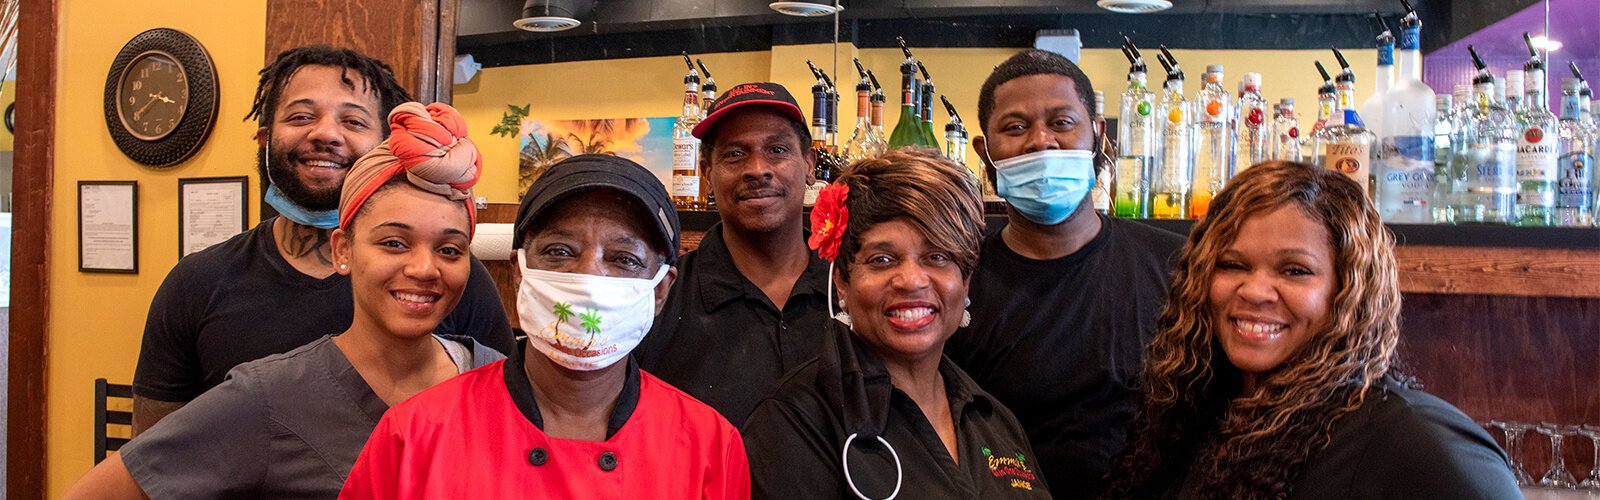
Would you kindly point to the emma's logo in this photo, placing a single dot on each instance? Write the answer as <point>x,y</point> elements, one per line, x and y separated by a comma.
<point>1013,468</point>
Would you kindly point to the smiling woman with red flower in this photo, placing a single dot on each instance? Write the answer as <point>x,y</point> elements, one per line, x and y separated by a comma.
<point>881,412</point>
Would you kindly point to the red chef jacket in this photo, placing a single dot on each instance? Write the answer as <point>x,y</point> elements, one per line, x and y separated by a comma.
<point>479,436</point>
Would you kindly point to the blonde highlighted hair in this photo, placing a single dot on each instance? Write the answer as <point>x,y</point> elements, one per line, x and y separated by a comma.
<point>1195,415</point>
<point>920,186</point>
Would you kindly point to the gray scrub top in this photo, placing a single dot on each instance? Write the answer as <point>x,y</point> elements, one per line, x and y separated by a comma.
<point>287,425</point>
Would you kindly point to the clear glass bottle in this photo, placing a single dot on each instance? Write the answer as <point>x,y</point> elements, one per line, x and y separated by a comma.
<point>1443,152</point>
<point>860,146</point>
<point>1326,102</point>
<point>686,190</point>
<point>1212,139</point>
<point>1100,195</point>
<point>1486,156</point>
<point>1344,144</point>
<point>1170,186</point>
<point>1286,130</point>
<point>1372,109</point>
<point>1254,141</point>
<point>1575,189</point>
<point>1136,140</point>
<point>1405,166</point>
<point>1537,171</point>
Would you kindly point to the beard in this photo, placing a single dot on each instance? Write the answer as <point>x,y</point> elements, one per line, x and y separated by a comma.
<point>280,162</point>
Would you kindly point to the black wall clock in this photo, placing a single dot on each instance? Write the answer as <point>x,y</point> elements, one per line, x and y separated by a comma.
<point>161,97</point>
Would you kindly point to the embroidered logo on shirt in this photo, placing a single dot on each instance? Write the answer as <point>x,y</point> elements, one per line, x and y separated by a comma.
<point>1012,468</point>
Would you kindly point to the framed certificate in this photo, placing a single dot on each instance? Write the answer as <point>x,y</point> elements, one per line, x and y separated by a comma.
<point>108,226</point>
<point>211,210</point>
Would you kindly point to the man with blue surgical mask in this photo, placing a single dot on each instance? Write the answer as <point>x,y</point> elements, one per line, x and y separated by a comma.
<point>1064,299</point>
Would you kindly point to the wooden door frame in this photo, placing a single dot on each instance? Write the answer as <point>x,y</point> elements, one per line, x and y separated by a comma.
<point>33,172</point>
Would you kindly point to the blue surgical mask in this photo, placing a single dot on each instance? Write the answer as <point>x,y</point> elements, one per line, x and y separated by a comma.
<point>325,219</point>
<point>1046,186</point>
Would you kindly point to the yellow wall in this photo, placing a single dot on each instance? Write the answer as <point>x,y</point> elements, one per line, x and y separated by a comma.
<point>8,95</point>
<point>650,87</point>
<point>96,320</point>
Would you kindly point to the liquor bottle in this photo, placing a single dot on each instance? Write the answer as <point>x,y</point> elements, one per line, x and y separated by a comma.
<point>1444,128</point>
<point>1254,142</point>
<point>1171,183</point>
<point>708,92</point>
<point>686,190</point>
<point>1537,172</point>
<point>1406,133</point>
<point>879,139</point>
<point>927,107</point>
<point>1286,130</point>
<point>908,131</point>
<point>1485,182</point>
<point>819,136</point>
<point>955,135</point>
<point>1344,144</point>
<point>1212,137</point>
<point>1326,97</point>
<point>1511,91</point>
<point>1136,136</point>
<point>860,146</point>
<point>1372,108</point>
<point>1575,190</point>
<point>1100,195</point>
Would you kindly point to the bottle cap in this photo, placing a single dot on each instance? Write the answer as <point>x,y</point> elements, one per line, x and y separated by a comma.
<point>1569,85</point>
<point>1252,79</point>
<point>1514,78</point>
<point>1443,100</point>
<point>1214,68</point>
<point>1287,101</point>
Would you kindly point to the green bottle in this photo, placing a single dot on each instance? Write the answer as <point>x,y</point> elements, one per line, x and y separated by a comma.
<point>908,131</point>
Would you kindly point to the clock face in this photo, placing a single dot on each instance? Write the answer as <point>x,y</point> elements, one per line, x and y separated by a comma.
<point>152,95</point>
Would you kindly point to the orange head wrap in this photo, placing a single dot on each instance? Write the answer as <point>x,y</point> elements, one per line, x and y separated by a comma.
<point>430,146</point>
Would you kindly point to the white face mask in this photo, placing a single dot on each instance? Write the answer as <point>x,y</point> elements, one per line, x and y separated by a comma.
<point>582,321</point>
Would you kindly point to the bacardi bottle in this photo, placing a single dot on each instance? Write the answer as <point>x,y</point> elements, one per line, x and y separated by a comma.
<point>1406,136</point>
<point>1575,190</point>
<point>1136,140</point>
<point>1254,143</point>
<point>1537,172</point>
<point>1171,184</point>
<point>686,191</point>
<point>1212,140</point>
<point>1486,156</point>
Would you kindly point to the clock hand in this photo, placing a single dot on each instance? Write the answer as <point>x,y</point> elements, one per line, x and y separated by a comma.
<point>162,97</point>
<point>142,109</point>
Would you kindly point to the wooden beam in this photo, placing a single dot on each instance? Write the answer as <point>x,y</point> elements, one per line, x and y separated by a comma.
<point>1526,272</point>
<point>30,248</point>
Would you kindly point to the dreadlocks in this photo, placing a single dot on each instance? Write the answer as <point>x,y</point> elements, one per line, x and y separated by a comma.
<point>376,77</point>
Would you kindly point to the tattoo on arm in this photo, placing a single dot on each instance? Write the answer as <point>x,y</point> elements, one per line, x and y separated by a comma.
<point>299,241</point>
<point>146,412</point>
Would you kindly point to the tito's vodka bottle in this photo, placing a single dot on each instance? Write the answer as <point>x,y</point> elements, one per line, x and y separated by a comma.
<point>1344,144</point>
<point>1212,140</point>
<point>1170,186</point>
<point>686,148</point>
<point>1536,148</point>
<point>1136,136</point>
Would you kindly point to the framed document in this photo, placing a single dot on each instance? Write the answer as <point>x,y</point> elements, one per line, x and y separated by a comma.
<point>108,226</point>
<point>211,210</point>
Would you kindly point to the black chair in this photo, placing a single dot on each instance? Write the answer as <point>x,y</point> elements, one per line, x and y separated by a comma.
<point>104,417</point>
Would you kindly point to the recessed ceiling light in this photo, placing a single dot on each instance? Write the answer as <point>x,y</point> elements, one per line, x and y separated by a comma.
<point>805,9</point>
<point>1134,6</point>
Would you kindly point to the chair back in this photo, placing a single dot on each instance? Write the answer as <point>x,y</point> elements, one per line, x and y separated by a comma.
<point>105,418</point>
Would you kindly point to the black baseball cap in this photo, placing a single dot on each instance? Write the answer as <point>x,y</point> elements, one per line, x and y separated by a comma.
<point>589,172</point>
<point>765,94</point>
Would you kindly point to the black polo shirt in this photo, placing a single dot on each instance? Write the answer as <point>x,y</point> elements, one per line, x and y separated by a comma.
<point>721,340</point>
<point>1061,342</point>
<point>795,438</point>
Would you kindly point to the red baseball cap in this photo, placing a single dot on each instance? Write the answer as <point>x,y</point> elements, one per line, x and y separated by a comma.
<point>765,94</point>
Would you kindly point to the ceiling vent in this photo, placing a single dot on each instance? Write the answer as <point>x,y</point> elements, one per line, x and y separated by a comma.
<point>1134,6</point>
<point>806,9</point>
<point>547,16</point>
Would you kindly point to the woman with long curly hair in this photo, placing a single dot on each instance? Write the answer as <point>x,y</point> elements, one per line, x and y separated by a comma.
<point>1273,371</point>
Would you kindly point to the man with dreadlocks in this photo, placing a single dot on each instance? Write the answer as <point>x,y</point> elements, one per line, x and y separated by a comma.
<point>273,288</point>
<point>1064,299</point>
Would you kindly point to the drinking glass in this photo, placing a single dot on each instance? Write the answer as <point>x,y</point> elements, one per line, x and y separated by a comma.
<point>1593,433</point>
<point>1557,476</point>
<point>1514,432</point>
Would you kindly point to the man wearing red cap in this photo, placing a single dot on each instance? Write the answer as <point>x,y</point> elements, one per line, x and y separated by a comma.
<point>750,300</point>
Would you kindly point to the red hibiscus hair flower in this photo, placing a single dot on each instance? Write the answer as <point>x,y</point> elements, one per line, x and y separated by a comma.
<point>829,218</point>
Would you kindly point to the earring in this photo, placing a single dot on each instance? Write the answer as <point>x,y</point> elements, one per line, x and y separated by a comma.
<point>344,266</point>
<point>966,314</point>
<point>842,316</point>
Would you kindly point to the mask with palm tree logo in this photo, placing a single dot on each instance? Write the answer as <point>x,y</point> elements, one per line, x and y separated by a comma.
<point>582,321</point>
